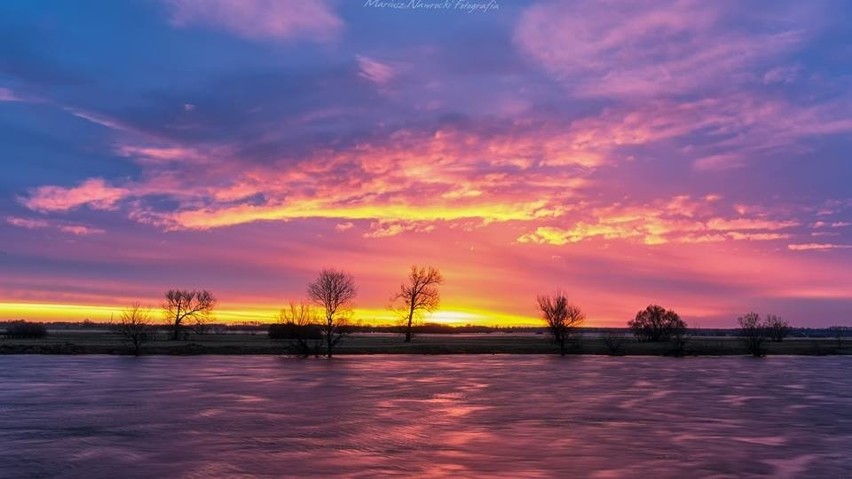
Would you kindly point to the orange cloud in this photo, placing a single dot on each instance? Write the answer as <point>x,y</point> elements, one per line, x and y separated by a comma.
<point>678,220</point>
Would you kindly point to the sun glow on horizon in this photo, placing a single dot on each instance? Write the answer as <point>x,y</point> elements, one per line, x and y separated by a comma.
<point>57,312</point>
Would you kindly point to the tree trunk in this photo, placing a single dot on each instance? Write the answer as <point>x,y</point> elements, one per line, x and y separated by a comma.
<point>408,330</point>
<point>329,337</point>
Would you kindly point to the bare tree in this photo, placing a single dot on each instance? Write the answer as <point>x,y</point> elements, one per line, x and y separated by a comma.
<point>754,333</point>
<point>182,305</point>
<point>777,329</point>
<point>333,291</point>
<point>134,326</point>
<point>417,295</point>
<point>298,324</point>
<point>656,324</point>
<point>562,317</point>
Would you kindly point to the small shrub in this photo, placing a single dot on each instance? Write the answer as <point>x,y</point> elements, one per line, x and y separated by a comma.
<point>614,342</point>
<point>294,331</point>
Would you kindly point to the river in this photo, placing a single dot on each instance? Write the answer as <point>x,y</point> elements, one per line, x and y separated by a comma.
<point>424,416</point>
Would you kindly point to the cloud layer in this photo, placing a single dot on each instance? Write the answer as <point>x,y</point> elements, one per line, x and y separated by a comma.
<point>682,152</point>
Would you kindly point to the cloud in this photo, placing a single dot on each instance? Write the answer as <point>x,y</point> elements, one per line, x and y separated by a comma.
<point>8,95</point>
<point>678,220</point>
<point>260,19</point>
<point>98,119</point>
<point>449,174</point>
<point>817,246</point>
<point>782,74</point>
<point>385,229</point>
<point>93,192</point>
<point>375,71</point>
<point>28,223</point>
<point>37,223</point>
<point>642,49</point>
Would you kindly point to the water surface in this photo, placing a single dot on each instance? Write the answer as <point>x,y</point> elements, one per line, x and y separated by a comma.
<point>424,416</point>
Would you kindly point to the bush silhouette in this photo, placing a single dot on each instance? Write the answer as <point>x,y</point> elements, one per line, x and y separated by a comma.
<point>24,329</point>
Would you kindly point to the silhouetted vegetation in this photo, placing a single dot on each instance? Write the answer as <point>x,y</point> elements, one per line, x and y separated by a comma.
<point>776,328</point>
<point>183,305</point>
<point>614,342</point>
<point>134,326</point>
<point>657,324</point>
<point>754,332</point>
<point>840,332</point>
<point>562,318</point>
<point>417,295</point>
<point>25,330</point>
<point>297,324</point>
<point>678,340</point>
<point>333,291</point>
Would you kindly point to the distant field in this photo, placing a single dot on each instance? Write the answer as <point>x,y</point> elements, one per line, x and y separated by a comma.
<point>105,342</point>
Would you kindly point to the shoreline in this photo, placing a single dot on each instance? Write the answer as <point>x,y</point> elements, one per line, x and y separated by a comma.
<point>75,343</point>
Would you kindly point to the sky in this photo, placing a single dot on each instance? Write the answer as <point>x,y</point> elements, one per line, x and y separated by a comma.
<point>686,153</point>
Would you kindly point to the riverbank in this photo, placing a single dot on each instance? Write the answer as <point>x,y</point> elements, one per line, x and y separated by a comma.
<point>104,342</point>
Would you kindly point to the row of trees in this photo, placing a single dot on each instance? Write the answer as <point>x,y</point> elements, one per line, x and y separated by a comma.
<point>654,324</point>
<point>756,330</point>
<point>325,315</point>
<point>317,324</point>
<point>314,326</point>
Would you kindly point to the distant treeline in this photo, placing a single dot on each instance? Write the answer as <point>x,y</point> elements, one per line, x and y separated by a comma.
<point>21,328</point>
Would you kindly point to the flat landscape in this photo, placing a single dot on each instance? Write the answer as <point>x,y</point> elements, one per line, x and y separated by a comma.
<point>107,342</point>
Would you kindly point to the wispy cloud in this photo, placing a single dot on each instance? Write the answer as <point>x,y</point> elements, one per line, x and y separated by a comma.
<point>64,227</point>
<point>260,19</point>
<point>375,71</point>
<point>817,246</point>
<point>647,49</point>
<point>8,95</point>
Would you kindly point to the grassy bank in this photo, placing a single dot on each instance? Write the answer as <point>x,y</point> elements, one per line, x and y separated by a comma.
<point>104,342</point>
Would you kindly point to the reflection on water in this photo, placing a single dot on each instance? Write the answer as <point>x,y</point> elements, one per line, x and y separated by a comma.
<point>424,416</point>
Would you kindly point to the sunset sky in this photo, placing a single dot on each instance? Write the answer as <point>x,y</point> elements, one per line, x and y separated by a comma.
<point>694,154</point>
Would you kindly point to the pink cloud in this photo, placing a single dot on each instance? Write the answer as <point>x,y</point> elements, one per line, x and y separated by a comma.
<point>817,246</point>
<point>80,230</point>
<point>375,71</point>
<point>93,192</point>
<point>644,48</point>
<point>36,223</point>
<point>28,223</point>
<point>260,19</point>
<point>8,95</point>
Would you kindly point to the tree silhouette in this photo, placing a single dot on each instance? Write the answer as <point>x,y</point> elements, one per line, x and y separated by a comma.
<point>134,324</point>
<point>657,324</point>
<point>776,328</point>
<point>417,295</point>
<point>181,305</point>
<point>562,317</point>
<point>333,291</point>
<point>754,332</point>
<point>298,323</point>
